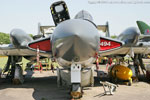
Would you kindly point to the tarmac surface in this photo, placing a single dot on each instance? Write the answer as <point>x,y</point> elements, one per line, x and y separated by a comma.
<point>43,86</point>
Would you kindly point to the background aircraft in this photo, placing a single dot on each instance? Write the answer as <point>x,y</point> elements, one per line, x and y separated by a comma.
<point>144,28</point>
<point>145,31</point>
<point>136,45</point>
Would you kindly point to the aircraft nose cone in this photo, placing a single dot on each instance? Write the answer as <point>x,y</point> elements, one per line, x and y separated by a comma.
<point>75,40</point>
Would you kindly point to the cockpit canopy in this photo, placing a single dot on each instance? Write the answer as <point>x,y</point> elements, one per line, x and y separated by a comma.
<point>84,15</point>
<point>59,12</point>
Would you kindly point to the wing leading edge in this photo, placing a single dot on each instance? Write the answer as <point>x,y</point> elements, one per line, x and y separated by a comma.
<point>109,46</point>
<point>113,47</point>
<point>10,50</point>
<point>44,46</point>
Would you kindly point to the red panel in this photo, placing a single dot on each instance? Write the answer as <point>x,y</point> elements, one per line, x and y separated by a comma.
<point>44,45</point>
<point>106,44</point>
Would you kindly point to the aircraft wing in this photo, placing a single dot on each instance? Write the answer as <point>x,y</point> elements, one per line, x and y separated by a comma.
<point>109,46</point>
<point>9,49</point>
<point>113,47</point>
<point>144,36</point>
<point>44,46</point>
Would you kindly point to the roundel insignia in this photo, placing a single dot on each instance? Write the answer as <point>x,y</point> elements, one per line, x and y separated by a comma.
<point>147,31</point>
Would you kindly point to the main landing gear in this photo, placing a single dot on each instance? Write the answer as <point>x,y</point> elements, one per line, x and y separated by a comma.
<point>15,73</point>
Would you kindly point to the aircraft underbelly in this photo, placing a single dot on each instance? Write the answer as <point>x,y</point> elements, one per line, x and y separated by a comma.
<point>67,64</point>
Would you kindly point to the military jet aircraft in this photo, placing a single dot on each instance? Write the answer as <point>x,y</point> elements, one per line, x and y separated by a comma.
<point>75,44</point>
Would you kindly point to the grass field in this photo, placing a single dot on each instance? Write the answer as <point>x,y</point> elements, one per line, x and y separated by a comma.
<point>3,61</point>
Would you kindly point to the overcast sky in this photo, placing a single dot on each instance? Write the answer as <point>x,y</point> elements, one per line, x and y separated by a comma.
<point>26,14</point>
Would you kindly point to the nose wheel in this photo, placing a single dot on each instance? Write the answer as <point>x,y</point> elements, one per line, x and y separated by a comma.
<point>76,90</point>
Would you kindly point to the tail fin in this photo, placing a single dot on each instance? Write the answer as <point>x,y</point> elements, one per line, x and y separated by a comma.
<point>39,31</point>
<point>143,27</point>
<point>104,28</point>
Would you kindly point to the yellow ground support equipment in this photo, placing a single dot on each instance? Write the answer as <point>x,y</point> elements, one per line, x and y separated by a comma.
<point>120,72</point>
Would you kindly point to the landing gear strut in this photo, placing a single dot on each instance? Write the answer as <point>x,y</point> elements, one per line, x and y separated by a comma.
<point>71,78</point>
<point>16,72</point>
<point>138,62</point>
<point>76,90</point>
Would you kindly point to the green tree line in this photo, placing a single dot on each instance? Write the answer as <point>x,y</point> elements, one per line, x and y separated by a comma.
<point>4,38</point>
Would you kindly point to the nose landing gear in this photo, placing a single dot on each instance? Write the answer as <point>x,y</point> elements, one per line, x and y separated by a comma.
<point>76,90</point>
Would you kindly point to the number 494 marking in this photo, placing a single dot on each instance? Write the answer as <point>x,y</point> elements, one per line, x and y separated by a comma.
<point>105,44</point>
